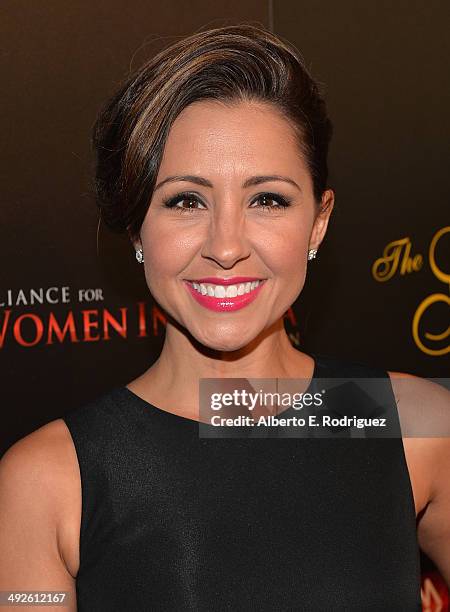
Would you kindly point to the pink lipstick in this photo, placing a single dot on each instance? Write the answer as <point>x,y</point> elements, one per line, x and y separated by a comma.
<point>225,294</point>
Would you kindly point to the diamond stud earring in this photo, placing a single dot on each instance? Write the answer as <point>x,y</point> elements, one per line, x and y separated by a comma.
<point>312,253</point>
<point>140,255</point>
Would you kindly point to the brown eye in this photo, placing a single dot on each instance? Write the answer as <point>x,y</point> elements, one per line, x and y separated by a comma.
<point>266,200</point>
<point>189,202</point>
<point>271,201</point>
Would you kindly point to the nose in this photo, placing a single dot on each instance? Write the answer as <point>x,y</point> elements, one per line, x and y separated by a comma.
<point>227,241</point>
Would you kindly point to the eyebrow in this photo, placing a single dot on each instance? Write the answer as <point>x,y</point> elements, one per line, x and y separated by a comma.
<point>253,180</point>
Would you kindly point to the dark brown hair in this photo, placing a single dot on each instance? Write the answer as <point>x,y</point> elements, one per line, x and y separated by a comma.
<point>230,63</point>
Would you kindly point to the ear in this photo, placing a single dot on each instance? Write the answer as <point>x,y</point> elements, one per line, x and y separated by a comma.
<point>321,221</point>
<point>135,240</point>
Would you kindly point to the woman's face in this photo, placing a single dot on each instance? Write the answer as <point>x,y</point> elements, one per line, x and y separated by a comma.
<point>228,225</point>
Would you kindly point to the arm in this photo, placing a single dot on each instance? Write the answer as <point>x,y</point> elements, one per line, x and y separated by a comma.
<point>424,409</point>
<point>433,529</point>
<point>33,488</point>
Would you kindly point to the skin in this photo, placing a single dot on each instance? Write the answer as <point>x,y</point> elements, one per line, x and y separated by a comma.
<point>228,234</point>
<point>40,485</point>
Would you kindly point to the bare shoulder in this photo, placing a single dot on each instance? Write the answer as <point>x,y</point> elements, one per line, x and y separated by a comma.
<point>423,406</point>
<point>46,454</point>
<point>40,488</point>
<point>424,411</point>
<point>47,440</point>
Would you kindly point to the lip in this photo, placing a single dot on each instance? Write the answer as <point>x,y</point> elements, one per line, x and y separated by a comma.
<point>225,304</point>
<point>232,280</point>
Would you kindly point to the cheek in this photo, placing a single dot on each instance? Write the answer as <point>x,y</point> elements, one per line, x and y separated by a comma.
<point>284,251</point>
<point>290,251</point>
<point>167,247</point>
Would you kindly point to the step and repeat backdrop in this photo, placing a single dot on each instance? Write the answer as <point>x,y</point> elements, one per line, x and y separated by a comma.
<point>76,317</point>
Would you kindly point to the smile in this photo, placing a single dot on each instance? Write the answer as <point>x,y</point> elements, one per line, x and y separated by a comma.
<point>225,297</point>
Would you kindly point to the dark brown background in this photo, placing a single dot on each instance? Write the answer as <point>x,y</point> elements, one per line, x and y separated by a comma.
<point>384,66</point>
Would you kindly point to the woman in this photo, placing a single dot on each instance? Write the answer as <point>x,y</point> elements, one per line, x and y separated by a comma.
<point>213,157</point>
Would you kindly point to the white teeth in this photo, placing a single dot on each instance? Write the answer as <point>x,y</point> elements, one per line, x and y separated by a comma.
<point>221,291</point>
<point>231,291</point>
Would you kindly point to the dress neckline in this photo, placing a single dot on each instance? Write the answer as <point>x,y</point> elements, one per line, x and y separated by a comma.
<point>161,411</point>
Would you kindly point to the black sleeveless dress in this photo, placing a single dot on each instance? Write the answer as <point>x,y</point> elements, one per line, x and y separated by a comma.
<point>175,522</point>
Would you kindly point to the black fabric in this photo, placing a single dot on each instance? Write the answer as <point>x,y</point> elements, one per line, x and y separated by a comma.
<point>174,522</point>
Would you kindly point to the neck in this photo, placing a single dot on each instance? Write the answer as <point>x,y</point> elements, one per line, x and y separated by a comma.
<point>172,381</point>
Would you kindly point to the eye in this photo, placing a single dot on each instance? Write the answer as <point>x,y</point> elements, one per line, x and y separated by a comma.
<point>269,201</point>
<point>185,197</point>
<point>267,197</point>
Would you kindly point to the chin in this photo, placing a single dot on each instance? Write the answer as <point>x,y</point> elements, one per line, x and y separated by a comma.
<point>224,340</point>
